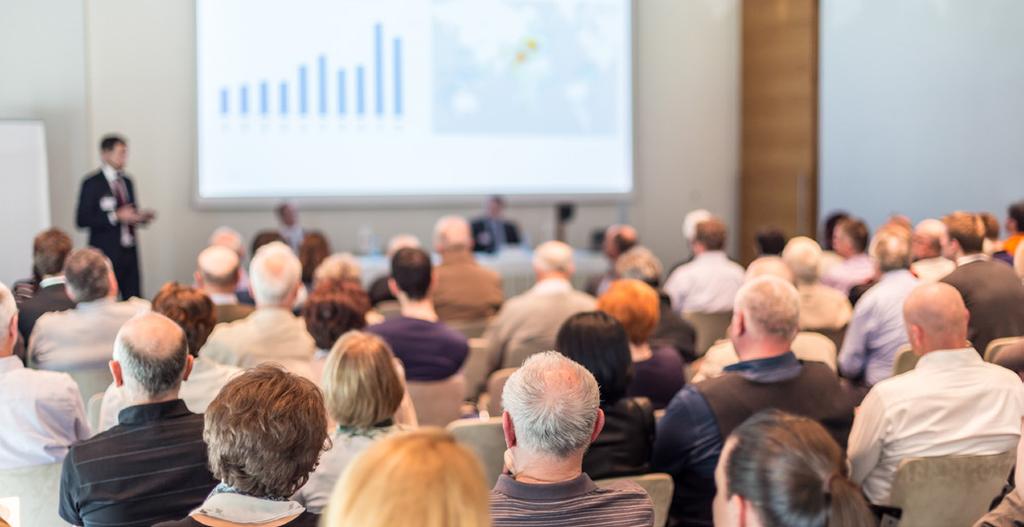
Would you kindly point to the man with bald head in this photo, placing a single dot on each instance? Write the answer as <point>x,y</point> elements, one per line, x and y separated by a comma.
<point>463,289</point>
<point>927,241</point>
<point>271,333</point>
<point>152,466</point>
<point>217,275</point>
<point>766,317</point>
<point>951,403</point>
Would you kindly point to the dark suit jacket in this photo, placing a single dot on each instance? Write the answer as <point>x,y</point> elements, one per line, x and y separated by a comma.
<point>994,296</point>
<point>483,238</point>
<point>102,234</point>
<point>47,299</point>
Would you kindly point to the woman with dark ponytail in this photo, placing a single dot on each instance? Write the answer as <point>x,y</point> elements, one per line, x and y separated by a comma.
<point>781,470</point>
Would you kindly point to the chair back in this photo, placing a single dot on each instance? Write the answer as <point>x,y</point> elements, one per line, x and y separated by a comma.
<point>948,490</point>
<point>905,360</point>
<point>487,440</point>
<point>438,402</point>
<point>31,496</point>
<point>997,345</point>
<point>389,309</point>
<point>710,328</point>
<point>471,329</point>
<point>834,334</point>
<point>816,347</point>
<point>91,380</point>
<point>476,368</point>
<point>658,486</point>
<point>92,412</point>
<point>495,386</point>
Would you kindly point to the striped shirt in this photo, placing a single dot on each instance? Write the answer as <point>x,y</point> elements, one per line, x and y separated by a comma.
<point>149,468</point>
<point>577,502</point>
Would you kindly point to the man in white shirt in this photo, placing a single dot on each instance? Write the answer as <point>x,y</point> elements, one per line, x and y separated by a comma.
<point>217,275</point>
<point>272,333</point>
<point>952,403</point>
<point>707,284</point>
<point>83,337</point>
<point>41,412</point>
<point>528,323</point>
<point>929,237</point>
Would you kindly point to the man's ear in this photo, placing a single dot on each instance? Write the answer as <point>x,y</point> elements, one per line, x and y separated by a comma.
<point>598,425</point>
<point>116,373</point>
<point>189,361</point>
<point>739,323</point>
<point>508,429</point>
<point>12,329</point>
<point>393,287</point>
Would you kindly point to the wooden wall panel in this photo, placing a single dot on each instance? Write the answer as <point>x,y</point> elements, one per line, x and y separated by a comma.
<point>779,119</point>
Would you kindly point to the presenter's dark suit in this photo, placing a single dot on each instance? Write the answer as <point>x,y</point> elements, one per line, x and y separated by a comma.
<point>106,236</point>
<point>489,235</point>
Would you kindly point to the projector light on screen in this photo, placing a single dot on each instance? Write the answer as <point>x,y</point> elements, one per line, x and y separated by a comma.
<point>356,98</point>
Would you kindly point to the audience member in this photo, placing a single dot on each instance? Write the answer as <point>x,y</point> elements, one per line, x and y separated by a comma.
<point>265,238</point>
<point>289,229</point>
<point>991,245</point>
<point>616,241</point>
<point>769,241</point>
<point>193,311</point>
<point>49,250</point>
<point>699,418</point>
<point>599,343</point>
<point>951,403</point>
<point>781,470</point>
<point>217,275</point>
<point>709,282</point>
<point>82,338</point>
<point>464,290</point>
<point>338,267</point>
<point>363,390</point>
<point>529,323</point>
<point>421,478</point>
<point>640,263</point>
<point>876,331</point>
<point>430,350</point>
<point>929,237</point>
<point>333,309</point>
<point>232,239</point>
<point>313,250</point>
<point>264,434</point>
<point>821,307</point>
<point>492,232</point>
<point>992,291</point>
<point>379,290</point>
<point>552,414</point>
<point>849,241</point>
<point>272,333</point>
<point>152,466</point>
<point>1014,229</point>
<point>41,412</point>
<point>658,369</point>
<point>828,233</point>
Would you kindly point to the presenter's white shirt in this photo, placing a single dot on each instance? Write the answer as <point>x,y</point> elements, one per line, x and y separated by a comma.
<point>951,403</point>
<point>41,415</point>
<point>708,284</point>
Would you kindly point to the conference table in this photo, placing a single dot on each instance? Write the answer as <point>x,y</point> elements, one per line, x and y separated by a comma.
<point>513,264</point>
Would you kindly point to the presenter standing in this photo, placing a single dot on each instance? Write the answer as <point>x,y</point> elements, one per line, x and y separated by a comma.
<point>492,232</point>
<point>107,206</point>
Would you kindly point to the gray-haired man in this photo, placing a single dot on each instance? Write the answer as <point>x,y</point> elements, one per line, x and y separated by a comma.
<point>552,414</point>
<point>152,466</point>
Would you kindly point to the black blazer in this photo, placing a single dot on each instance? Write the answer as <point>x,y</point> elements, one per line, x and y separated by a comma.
<point>483,238</point>
<point>102,234</point>
<point>46,299</point>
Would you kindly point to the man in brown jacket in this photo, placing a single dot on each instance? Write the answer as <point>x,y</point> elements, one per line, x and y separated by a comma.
<point>463,289</point>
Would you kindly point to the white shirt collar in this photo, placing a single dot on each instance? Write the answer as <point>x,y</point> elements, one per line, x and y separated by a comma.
<point>971,258</point>
<point>109,172</point>
<point>223,299</point>
<point>946,359</point>
<point>53,280</point>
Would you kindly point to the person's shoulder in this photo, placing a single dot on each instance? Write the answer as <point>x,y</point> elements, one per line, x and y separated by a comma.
<point>624,488</point>
<point>93,177</point>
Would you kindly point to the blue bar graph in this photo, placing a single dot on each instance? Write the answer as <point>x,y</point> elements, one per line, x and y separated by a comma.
<point>303,109</point>
<point>378,67</point>
<point>360,101</point>
<point>284,98</point>
<point>264,98</point>
<point>321,70</point>
<point>397,49</point>
<point>243,100</point>
<point>341,92</point>
<point>318,91</point>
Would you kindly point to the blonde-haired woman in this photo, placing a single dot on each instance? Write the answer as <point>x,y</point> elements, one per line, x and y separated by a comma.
<point>363,390</point>
<point>422,479</point>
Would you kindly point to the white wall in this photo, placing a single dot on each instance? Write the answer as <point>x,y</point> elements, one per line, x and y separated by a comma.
<point>921,106</point>
<point>141,78</point>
